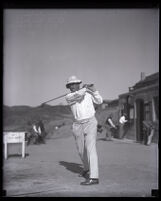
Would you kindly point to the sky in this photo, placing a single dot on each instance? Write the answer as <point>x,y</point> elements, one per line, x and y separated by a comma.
<point>106,47</point>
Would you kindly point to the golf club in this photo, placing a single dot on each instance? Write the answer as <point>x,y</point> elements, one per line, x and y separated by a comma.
<point>53,99</point>
<point>84,86</point>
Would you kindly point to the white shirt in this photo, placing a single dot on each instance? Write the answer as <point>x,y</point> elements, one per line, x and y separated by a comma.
<point>81,103</point>
<point>122,120</point>
<point>37,130</point>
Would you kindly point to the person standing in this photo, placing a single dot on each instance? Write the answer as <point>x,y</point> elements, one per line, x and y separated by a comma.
<point>42,130</point>
<point>149,130</point>
<point>39,132</point>
<point>123,128</point>
<point>109,125</point>
<point>85,125</point>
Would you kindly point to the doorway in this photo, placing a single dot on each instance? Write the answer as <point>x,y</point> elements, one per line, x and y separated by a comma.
<point>139,120</point>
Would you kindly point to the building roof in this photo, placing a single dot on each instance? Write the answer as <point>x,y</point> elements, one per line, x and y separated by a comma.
<point>111,103</point>
<point>149,80</point>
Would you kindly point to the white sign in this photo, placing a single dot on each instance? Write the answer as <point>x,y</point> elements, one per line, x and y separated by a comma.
<point>14,137</point>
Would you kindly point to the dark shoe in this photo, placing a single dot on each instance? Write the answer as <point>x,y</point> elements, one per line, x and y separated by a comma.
<point>84,173</point>
<point>90,182</point>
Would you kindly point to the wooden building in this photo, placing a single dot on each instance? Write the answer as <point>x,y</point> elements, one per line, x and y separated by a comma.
<point>141,103</point>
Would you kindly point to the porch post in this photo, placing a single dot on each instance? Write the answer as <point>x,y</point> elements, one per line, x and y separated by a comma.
<point>153,110</point>
<point>135,119</point>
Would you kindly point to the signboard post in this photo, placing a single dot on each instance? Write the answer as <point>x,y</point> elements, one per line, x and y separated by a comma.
<point>13,137</point>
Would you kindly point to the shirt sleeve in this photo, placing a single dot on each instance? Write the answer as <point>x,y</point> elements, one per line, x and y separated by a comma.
<point>111,122</point>
<point>39,129</point>
<point>34,128</point>
<point>121,120</point>
<point>74,97</point>
<point>96,97</point>
<point>124,119</point>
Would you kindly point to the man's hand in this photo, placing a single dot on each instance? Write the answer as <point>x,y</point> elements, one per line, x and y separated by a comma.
<point>92,88</point>
<point>89,87</point>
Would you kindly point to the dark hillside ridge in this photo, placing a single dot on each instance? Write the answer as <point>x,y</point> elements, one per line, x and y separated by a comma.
<point>17,117</point>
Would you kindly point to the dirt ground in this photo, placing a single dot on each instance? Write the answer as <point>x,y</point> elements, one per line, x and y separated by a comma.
<point>126,169</point>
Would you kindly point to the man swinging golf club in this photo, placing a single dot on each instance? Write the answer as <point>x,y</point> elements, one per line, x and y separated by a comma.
<point>85,125</point>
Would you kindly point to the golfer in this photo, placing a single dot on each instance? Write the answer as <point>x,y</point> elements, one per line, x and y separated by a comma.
<point>85,125</point>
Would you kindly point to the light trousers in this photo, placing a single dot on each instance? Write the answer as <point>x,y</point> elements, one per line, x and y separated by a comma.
<point>85,134</point>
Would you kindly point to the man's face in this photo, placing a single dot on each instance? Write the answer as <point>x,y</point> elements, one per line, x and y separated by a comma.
<point>74,87</point>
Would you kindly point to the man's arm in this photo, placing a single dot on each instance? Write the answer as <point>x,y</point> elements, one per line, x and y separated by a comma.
<point>74,97</point>
<point>39,130</point>
<point>111,123</point>
<point>125,120</point>
<point>122,120</point>
<point>34,128</point>
<point>96,97</point>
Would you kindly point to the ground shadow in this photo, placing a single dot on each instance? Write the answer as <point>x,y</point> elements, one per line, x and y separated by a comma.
<point>73,167</point>
<point>17,155</point>
<point>103,139</point>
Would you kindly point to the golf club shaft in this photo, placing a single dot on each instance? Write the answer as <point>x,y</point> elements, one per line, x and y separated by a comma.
<point>86,85</point>
<point>54,98</point>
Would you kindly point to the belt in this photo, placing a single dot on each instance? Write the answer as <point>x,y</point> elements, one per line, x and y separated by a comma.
<point>82,121</point>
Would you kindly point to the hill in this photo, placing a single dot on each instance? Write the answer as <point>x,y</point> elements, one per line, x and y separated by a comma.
<point>57,119</point>
<point>17,118</point>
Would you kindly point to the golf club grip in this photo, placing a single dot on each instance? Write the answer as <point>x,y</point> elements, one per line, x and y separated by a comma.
<point>88,85</point>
